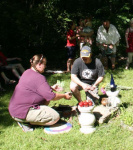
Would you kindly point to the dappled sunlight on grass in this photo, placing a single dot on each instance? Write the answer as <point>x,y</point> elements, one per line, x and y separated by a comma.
<point>107,136</point>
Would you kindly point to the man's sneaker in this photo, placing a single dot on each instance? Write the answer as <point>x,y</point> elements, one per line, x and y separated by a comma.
<point>26,127</point>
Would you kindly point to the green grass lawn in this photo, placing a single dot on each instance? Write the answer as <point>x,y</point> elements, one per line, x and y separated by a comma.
<point>108,136</point>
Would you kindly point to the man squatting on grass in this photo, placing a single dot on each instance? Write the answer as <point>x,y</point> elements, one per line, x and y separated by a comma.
<point>87,72</point>
<point>28,104</point>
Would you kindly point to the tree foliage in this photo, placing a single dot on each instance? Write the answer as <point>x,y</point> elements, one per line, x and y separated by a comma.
<point>39,26</point>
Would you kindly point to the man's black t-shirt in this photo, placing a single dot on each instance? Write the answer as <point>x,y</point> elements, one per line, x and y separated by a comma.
<point>88,73</point>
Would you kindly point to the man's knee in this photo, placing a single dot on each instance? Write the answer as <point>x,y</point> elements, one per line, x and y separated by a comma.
<point>73,86</point>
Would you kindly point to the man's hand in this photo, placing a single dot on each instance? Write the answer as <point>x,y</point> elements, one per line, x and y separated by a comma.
<point>105,46</point>
<point>85,86</point>
<point>92,88</point>
<point>111,46</point>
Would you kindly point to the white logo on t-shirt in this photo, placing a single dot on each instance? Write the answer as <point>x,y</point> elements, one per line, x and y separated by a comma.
<point>87,73</point>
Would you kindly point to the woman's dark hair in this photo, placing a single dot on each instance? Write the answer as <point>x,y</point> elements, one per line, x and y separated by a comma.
<point>36,59</point>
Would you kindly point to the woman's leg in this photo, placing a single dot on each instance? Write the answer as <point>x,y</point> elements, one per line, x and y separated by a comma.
<point>129,60</point>
<point>14,68</point>
<point>15,72</point>
<point>43,116</point>
<point>21,68</point>
<point>7,80</point>
<point>4,76</point>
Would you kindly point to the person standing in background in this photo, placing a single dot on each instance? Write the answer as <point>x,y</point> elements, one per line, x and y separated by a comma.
<point>129,43</point>
<point>107,40</point>
<point>71,45</point>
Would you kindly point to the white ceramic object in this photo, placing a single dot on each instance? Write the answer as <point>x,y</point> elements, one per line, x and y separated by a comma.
<point>113,100</point>
<point>53,71</point>
<point>86,119</point>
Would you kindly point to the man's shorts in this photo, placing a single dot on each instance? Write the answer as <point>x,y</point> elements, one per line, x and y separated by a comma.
<point>73,84</point>
<point>105,55</point>
<point>89,94</point>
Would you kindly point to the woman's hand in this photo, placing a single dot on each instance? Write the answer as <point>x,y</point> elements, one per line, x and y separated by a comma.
<point>68,95</point>
<point>57,88</point>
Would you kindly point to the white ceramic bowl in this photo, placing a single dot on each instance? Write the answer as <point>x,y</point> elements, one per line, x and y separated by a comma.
<point>85,109</point>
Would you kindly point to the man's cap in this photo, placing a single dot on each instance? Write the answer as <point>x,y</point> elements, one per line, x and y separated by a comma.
<point>85,51</point>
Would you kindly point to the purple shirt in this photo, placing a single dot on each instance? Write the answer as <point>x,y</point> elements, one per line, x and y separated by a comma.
<point>31,91</point>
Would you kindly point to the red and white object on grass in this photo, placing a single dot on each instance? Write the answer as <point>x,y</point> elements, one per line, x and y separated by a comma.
<point>86,103</point>
<point>86,117</point>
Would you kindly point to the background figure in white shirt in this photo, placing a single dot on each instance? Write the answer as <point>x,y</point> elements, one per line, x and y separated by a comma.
<point>107,39</point>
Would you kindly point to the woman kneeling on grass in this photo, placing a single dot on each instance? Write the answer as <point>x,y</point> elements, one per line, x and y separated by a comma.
<point>28,104</point>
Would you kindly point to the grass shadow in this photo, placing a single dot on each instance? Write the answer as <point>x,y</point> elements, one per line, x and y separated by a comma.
<point>125,105</point>
<point>5,118</point>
